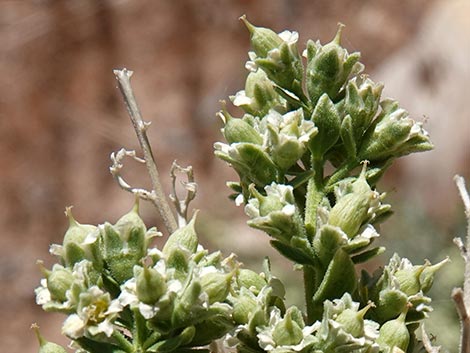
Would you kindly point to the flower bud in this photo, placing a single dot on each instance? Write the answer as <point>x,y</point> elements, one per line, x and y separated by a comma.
<point>74,249</point>
<point>217,285</point>
<point>244,306</point>
<point>250,280</point>
<point>394,333</point>
<point>326,241</point>
<point>390,304</point>
<point>329,67</point>
<point>352,209</point>
<point>393,134</point>
<point>184,237</point>
<point>150,285</point>
<point>353,321</point>
<point>262,39</point>
<point>275,213</point>
<point>59,281</point>
<point>259,95</point>
<point>426,278</point>
<point>361,104</point>
<point>131,229</point>
<point>287,331</point>
<point>46,346</point>
<point>288,136</point>
<point>327,120</point>
<point>251,162</point>
<point>408,279</point>
<point>238,130</point>
<point>184,310</point>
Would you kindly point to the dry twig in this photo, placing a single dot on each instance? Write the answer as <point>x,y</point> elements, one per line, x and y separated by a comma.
<point>156,196</point>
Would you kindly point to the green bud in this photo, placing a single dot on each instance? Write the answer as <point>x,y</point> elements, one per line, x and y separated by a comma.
<point>217,285</point>
<point>46,346</point>
<point>287,331</point>
<point>259,96</point>
<point>327,120</point>
<point>184,237</point>
<point>361,103</point>
<point>390,304</point>
<point>59,280</point>
<point>426,278</point>
<point>353,321</point>
<point>184,312</point>
<point>393,134</point>
<point>329,67</point>
<point>238,130</point>
<point>251,162</point>
<point>408,279</point>
<point>288,137</point>
<point>262,39</point>
<point>351,210</point>
<point>150,284</point>
<point>74,249</point>
<point>119,257</point>
<point>278,56</point>
<point>275,213</point>
<point>131,229</point>
<point>250,280</point>
<point>325,243</point>
<point>244,306</point>
<point>394,333</point>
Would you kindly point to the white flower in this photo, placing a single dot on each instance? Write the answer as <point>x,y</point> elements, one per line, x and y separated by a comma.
<point>95,314</point>
<point>43,295</point>
<point>241,99</point>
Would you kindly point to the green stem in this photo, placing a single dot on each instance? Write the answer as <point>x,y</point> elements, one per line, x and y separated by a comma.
<point>341,173</point>
<point>123,343</point>
<point>309,285</point>
<point>140,330</point>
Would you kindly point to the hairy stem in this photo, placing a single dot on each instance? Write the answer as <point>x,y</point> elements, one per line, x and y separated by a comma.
<point>462,297</point>
<point>123,77</point>
<point>309,285</point>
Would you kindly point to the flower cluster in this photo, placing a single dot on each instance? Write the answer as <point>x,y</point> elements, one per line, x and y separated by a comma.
<point>309,121</point>
<point>119,292</point>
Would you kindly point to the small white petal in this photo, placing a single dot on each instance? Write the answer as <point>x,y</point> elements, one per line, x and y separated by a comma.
<point>239,200</point>
<point>288,210</point>
<point>73,327</point>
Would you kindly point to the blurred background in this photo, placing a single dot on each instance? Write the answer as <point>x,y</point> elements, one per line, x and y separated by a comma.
<point>61,116</point>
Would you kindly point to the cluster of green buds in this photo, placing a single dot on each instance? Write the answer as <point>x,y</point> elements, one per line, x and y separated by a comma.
<point>122,295</point>
<point>309,121</point>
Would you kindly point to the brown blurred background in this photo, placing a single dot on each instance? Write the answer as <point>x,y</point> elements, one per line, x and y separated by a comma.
<point>61,116</point>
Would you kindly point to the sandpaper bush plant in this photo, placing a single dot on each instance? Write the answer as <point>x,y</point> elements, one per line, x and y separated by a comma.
<point>314,138</point>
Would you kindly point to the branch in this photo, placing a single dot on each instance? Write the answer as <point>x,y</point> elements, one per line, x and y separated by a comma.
<point>140,127</point>
<point>115,169</point>
<point>462,297</point>
<point>190,186</point>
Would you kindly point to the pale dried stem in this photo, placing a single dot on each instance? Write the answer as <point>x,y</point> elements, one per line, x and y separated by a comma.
<point>158,200</point>
<point>427,342</point>
<point>462,297</point>
<point>190,186</point>
<point>117,166</point>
